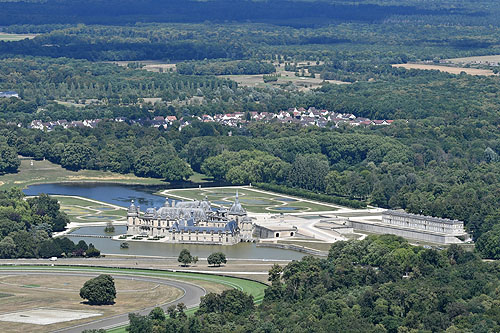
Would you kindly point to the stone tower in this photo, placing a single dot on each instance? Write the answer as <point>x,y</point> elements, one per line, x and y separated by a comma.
<point>132,215</point>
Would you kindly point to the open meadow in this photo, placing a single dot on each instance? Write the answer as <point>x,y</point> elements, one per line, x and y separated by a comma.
<point>26,298</point>
<point>6,37</point>
<point>448,69</point>
<point>476,60</point>
<point>150,65</point>
<point>46,291</point>
<point>302,83</point>
<point>42,172</point>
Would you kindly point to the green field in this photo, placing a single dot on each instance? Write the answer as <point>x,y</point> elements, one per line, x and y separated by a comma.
<point>83,210</point>
<point>252,201</point>
<point>256,289</point>
<point>44,172</point>
<point>15,37</point>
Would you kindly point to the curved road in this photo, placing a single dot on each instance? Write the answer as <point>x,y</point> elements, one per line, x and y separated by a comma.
<point>191,297</point>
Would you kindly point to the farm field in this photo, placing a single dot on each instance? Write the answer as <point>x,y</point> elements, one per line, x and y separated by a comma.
<point>254,201</point>
<point>477,59</point>
<point>6,37</point>
<point>448,69</point>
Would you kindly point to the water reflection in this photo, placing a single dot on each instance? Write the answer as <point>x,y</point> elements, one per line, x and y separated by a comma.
<point>115,194</point>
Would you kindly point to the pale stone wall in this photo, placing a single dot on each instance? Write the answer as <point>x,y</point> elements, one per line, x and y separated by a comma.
<point>419,235</point>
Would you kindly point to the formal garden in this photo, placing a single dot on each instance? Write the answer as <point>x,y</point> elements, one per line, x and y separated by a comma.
<point>82,210</point>
<point>252,199</point>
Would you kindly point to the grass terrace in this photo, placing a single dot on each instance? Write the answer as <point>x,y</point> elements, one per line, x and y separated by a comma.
<point>83,210</point>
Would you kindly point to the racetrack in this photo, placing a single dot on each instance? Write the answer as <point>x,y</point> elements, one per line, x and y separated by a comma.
<point>190,297</point>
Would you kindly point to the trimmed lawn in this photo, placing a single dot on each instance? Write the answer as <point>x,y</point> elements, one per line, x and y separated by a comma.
<point>252,201</point>
<point>85,210</point>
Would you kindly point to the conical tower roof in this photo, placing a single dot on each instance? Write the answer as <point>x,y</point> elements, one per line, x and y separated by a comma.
<point>236,208</point>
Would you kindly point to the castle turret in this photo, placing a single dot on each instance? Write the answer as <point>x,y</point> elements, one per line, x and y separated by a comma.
<point>132,214</point>
<point>236,208</point>
<point>132,209</point>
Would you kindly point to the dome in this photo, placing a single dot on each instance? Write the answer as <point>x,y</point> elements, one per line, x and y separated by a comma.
<point>132,209</point>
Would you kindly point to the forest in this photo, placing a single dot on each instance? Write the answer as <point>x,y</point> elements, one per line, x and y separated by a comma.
<point>26,228</point>
<point>95,60</point>
<point>379,284</point>
<point>276,11</point>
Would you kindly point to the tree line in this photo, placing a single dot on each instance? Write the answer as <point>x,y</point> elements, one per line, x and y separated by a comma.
<point>26,228</point>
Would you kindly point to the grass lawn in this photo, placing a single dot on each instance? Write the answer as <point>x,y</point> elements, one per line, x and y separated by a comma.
<point>252,201</point>
<point>46,172</point>
<point>84,210</point>
<point>312,245</point>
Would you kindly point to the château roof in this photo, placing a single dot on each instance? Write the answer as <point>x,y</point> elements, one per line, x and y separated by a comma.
<point>132,209</point>
<point>421,217</point>
<point>236,208</point>
<point>189,225</point>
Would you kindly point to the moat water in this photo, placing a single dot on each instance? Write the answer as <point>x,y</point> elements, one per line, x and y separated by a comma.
<point>116,194</point>
<point>121,195</point>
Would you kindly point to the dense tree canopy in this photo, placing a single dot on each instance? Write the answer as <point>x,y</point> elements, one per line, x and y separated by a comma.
<point>9,162</point>
<point>26,227</point>
<point>379,284</point>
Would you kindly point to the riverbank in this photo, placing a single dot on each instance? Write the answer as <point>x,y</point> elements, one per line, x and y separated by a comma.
<point>44,172</point>
<point>33,172</point>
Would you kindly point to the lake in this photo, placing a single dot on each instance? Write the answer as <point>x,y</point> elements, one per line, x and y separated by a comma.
<point>121,195</point>
<point>116,194</point>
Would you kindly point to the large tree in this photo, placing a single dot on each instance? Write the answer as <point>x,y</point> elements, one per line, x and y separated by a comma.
<point>217,258</point>
<point>9,162</point>
<point>99,291</point>
<point>185,257</point>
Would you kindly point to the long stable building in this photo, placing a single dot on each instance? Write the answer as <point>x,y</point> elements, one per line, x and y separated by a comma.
<point>193,222</point>
<point>417,227</point>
